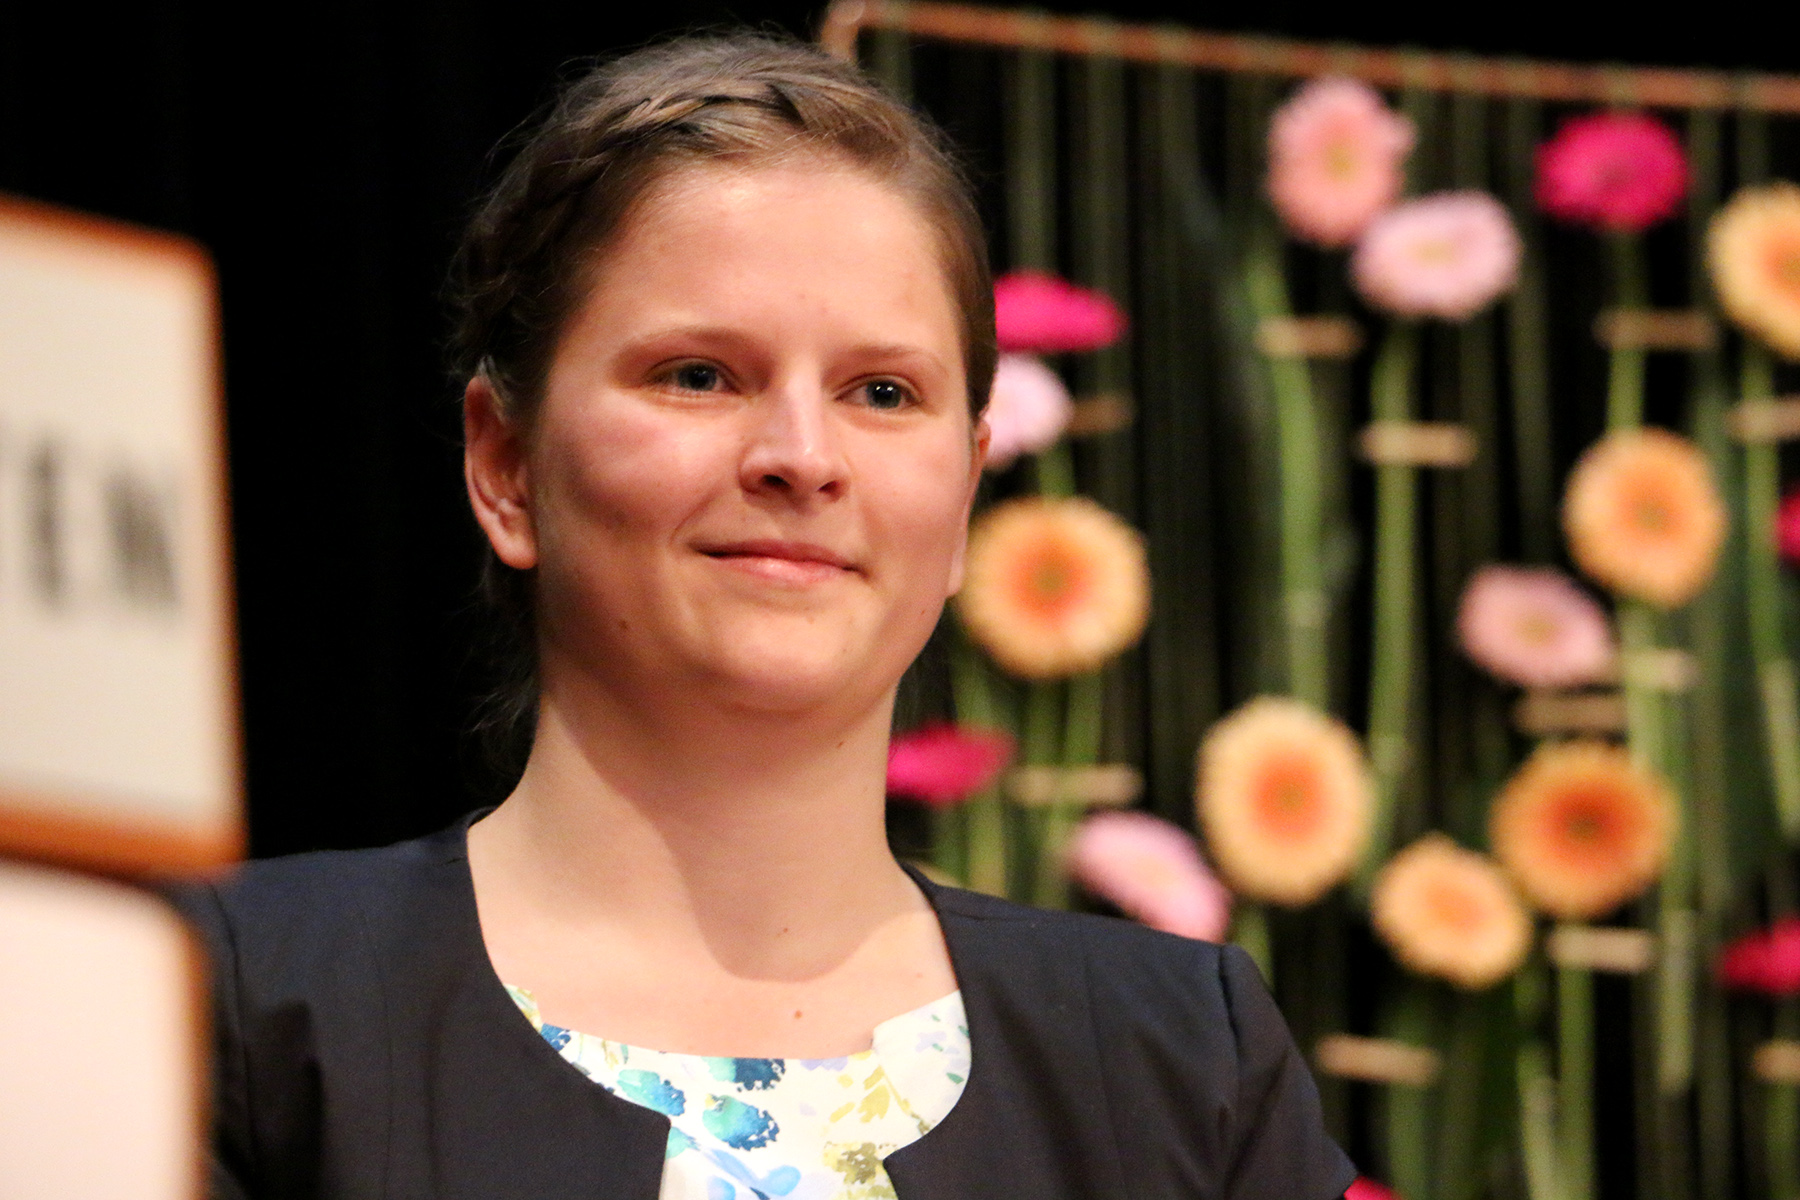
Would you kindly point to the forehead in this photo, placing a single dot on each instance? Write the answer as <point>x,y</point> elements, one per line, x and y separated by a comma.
<point>806,230</point>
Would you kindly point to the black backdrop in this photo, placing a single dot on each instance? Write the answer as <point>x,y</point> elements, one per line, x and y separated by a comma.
<point>325,155</point>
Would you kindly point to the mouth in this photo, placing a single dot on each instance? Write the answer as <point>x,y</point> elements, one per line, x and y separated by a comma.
<point>780,561</point>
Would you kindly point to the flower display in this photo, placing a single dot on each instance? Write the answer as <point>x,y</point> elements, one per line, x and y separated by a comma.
<point>944,764</point>
<point>1036,313</point>
<point>1446,255</point>
<point>1151,870</point>
<point>1285,800</point>
<point>1335,158</point>
<point>1753,251</point>
<point>1027,411</point>
<point>1642,516</point>
<point>1581,828</point>
<point>1364,1188</point>
<point>1787,526</point>
<point>1054,587</point>
<point>1767,961</point>
<point>1617,171</point>
<point>1452,913</point>
<point>1532,626</point>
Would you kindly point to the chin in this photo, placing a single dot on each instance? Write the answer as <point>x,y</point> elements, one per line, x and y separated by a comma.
<point>796,675</point>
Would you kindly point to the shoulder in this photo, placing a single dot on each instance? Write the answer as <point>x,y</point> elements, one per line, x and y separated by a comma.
<point>288,917</point>
<point>1203,1082</point>
<point>1126,965</point>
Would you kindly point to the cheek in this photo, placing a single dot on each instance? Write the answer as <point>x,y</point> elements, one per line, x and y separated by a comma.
<point>621,472</point>
<point>922,511</point>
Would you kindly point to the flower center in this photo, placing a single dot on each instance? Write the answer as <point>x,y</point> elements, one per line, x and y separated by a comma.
<point>1052,580</point>
<point>1453,908</point>
<point>1537,629</point>
<point>1435,251</point>
<point>1287,799</point>
<point>1652,514</point>
<point>1784,265</point>
<point>1340,160</point>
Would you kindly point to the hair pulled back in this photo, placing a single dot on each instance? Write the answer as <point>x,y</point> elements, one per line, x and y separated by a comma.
<point>614,133</point>
<point>742,99</point>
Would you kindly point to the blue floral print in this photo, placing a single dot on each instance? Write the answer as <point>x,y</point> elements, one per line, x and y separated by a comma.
<point>785,1129</point>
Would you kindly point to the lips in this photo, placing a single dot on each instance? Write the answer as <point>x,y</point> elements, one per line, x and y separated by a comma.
<point>780,561</point>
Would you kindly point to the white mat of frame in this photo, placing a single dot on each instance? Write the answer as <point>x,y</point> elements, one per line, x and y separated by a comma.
<point>118,728</point>
<point>100,1042</point>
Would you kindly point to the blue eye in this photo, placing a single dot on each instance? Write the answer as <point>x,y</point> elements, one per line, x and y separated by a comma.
<point>696,377</point>
<point>884,394</point>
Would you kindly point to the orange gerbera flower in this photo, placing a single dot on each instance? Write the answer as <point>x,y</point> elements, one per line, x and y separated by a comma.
<point>1582,828</point>
<point>1753,250</point>
<point>1054,587</point>
<point>1450,912</point>
<point>1285,800</point>
<point>1643,517</point>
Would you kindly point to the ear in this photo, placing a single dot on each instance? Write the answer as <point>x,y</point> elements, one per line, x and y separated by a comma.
<point>495,472</point>
<point>977,464</point>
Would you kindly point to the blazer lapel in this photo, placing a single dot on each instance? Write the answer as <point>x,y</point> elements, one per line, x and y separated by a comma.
<point>1032,1121</point>
<point>508,1115</point>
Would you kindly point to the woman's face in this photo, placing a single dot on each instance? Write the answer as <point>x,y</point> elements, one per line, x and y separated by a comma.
<point>753,466</point>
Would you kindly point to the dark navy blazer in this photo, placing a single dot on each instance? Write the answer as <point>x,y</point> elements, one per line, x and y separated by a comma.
<point>365,1049</point>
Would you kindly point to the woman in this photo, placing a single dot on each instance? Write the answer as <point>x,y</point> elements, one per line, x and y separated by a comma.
<point>727,332</point>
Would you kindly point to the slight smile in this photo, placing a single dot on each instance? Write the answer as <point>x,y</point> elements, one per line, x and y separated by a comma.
<point>776,561</point>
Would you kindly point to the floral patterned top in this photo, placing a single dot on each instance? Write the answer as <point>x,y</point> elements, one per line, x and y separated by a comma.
<point>793,1128</point>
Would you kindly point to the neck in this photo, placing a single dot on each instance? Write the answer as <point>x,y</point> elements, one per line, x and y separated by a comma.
<point>756,840</point>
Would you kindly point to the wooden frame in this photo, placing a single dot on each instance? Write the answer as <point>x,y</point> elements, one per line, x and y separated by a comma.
<point>1174,45</point>
<point>115,829</point>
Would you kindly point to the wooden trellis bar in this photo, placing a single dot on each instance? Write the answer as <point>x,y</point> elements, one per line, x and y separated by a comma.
<point>1509,77</point>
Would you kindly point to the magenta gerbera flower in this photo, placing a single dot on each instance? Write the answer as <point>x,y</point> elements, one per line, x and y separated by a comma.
<point>1617,171</point>
<point>1766,961</point>
<point>1036,313</point>
<point>1787,526</point>
<point>944,764</point>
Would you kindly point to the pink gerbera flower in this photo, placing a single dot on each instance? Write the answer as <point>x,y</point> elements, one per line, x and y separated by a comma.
<point>1151,870</point>
<point>1335,157</point>
<point>1533,626</point>
<point>944,764</point>
<point>1767,961</point>
<point>1616,171</point>
<point>1027,411</point>
<point>1035,313</point>
<point>1447,255</point>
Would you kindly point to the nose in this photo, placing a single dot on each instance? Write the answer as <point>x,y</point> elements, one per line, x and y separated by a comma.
<point>792,450</point>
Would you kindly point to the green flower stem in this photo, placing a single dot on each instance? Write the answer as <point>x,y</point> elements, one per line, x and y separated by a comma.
<point>1250,933</point>
<point>1459,1175</point>
<point>1302,505</point>
<point>1081,748</point>
<point>950,841</point>
<point>1781,1118</point>
<point>1528,344</point>
<point>1536,1086</point>
<point>1625,380</point>
<point>1575,1083</point>
<point>985,868</point>
<point>1712,627</point>
<point>1410,1109</point>
<point>1774,669</point>
<point>1055,471</point>
<point>1396,519</point>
